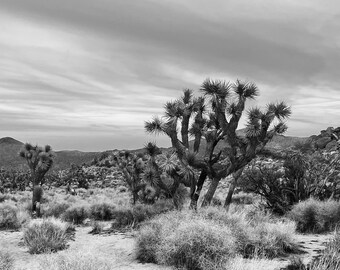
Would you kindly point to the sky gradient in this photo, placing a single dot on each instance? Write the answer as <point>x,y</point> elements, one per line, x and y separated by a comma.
<point>86,74</point>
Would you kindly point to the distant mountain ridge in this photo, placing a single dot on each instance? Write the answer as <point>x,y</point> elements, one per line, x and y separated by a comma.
<point>9,158</point>
<point>9,149</point>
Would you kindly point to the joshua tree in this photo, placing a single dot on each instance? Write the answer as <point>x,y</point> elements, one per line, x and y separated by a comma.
<point>218,150</point>
<point>149,174</point>
<point>39,160</point>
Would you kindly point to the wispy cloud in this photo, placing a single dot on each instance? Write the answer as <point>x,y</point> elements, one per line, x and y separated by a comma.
<point>86,74</point>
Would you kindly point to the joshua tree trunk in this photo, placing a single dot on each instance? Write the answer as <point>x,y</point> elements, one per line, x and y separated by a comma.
<point>196,194</point>
<point>211,191</point>
<point>36,200</point>
<point>232,187</point>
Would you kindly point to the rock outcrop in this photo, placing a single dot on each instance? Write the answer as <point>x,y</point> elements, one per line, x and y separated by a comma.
<point>328,139</point>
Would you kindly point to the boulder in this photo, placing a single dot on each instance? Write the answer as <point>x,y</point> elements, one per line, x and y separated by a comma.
<point>329,130</point>
<point>322,142</point>
<point>337,130</point>
<point>323,133</point>
<point>332,145</point>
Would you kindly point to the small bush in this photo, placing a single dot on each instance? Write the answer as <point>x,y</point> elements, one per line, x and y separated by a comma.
<point>73,261</point>
<point>56,209</point>
<point>76,214</point>
<point>127,216</point>
<point>6,261</point>
<point>316,216</point>
<point>197,245</point>
<point>9,217</point>
<point>258,234</point>
<point>330,257</point>
<point>148,240</point>
<point>185,240</point>
<point>47,235</point>
<point>102,211</point>
<point>123,218</point>
<point>270,240</point>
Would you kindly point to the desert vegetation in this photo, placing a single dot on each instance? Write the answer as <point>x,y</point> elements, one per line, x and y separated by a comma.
<point>258,201</point>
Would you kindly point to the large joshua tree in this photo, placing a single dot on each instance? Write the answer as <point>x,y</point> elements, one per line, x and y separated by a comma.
<point>39,160</point>
<point>212,120</point>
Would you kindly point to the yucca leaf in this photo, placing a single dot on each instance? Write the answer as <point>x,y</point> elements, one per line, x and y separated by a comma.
<point>154,126</point>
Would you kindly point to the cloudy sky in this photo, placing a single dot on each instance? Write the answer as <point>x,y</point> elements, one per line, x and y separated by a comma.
<point>86,74</point>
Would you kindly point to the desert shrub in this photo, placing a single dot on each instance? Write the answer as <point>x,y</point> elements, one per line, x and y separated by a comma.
<point>148,241</point>
<point>102,211</point>
<point>209,238</point>
<point>328,215</point>
<point>133,216</point>
<point>47,235</point>
<point>9,216</point>
<point>123,217</point>
<point>271,240</point>
<point>257,234</point>
<point>180,240</point>
<point>6,261</point>
<point>56,209</point>
<point>73,261</point>
<point>197,244</point>
<point>330,257</point>
<point>76,213</point>
<point>316,216</point>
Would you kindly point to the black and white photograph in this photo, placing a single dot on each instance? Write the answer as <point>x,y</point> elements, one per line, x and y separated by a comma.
<point>169,135</point>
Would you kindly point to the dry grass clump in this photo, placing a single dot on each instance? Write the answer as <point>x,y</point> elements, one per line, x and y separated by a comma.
<point>181,239</point>
<point>55,209</point>
<point>132,216</point>
<point>316,216</point>
<point>330,258</point>
<point>6,261</point>
<point>46,235</point>
<point>11,217</point>
<point>210,238</point>
<point>258,234</point>
<point>194,245</point>
<point>73,261</point>
<point>76,213</point>
<point>102,211</point>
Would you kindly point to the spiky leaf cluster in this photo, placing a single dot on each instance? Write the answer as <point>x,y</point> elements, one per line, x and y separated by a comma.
<point>38,158</point>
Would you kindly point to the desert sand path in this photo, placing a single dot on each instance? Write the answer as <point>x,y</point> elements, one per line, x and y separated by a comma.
<point>118,249</point>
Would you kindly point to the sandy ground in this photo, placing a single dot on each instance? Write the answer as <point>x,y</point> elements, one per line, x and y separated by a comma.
<point>118,249</point>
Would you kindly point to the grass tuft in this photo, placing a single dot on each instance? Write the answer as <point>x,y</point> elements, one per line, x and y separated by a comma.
<point>46,235</point>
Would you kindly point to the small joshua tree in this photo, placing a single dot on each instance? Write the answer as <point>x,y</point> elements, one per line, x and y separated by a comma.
<point>214,120</point>
<point>39,160</point>
<point>147,177</point>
